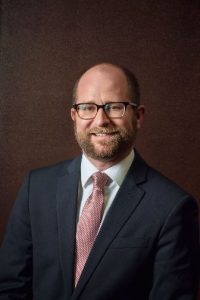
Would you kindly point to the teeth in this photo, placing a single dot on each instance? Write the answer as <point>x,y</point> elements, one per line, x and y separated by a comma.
<point>103,133</point>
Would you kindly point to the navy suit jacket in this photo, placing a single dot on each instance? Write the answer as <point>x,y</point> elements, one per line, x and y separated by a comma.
<point>147,247</point>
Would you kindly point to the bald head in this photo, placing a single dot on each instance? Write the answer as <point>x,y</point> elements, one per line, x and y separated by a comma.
<point>118,75</point>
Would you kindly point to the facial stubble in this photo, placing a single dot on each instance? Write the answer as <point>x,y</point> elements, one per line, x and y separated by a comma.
<point>120,141</point>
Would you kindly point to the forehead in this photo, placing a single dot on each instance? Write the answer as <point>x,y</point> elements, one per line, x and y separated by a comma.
<point>101,82</point>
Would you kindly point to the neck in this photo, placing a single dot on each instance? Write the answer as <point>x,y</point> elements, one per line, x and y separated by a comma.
<point>102,165</point>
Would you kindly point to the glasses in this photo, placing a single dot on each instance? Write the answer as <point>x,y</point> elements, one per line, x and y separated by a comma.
<point>113,110</point>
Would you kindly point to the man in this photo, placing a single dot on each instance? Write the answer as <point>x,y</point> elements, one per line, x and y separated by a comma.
<point>145,246</point>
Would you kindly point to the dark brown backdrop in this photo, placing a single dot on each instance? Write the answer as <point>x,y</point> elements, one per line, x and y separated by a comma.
<point>45,44</point>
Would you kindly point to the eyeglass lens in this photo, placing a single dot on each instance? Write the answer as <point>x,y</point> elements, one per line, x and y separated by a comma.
<point>112,110</point>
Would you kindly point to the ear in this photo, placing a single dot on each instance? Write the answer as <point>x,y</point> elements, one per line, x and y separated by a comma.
<point>140,115</point>
<point>73,114</point>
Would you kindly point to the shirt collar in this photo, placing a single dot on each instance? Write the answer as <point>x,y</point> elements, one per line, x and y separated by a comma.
<point>117,172</point>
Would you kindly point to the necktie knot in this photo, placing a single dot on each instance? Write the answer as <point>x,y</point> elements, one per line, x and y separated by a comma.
<point>100,180</point>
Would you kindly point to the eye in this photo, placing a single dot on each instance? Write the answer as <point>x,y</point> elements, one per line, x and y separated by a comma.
<point>116,106</point>
<point>87,107</point>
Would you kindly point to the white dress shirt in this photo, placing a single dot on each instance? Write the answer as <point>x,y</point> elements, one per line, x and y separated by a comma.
<point>117,174</point>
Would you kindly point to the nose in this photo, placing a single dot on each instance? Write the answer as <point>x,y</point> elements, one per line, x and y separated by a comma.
<point>101,118</point>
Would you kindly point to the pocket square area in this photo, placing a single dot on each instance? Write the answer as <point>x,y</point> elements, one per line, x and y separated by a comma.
<point>129,243</point>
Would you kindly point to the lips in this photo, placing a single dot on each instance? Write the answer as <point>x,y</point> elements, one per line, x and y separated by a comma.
<point>103,134</point>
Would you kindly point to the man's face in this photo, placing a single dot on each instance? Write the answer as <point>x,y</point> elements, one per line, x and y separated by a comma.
<point>104,139</point>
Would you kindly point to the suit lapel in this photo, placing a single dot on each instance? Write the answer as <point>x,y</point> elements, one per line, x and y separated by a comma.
<point>122,208</point>
<point>67,191</point>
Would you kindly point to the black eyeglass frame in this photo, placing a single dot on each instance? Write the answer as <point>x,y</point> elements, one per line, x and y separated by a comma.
<point>103,106</point>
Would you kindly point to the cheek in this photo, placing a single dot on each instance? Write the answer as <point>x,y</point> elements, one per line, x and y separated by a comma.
<point>129,124</point>
<point>81,125</point>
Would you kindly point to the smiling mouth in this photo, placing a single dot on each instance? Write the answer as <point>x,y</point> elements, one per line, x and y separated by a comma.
<point>104,135</point>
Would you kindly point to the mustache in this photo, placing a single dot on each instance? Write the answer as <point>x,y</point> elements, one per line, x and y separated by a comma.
<point>102,130</point>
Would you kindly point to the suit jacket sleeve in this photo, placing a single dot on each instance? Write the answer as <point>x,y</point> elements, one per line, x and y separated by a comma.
<point>16,251</point>
<point>176,264</point>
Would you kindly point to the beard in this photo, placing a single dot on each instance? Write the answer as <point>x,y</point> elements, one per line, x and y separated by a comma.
<point>120,142</point>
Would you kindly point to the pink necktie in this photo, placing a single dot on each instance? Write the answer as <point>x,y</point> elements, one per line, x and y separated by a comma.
<point>89,222</point>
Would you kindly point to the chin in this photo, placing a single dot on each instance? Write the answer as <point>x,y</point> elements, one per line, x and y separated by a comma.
<point>104,151</point>
<point>105,154</point>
